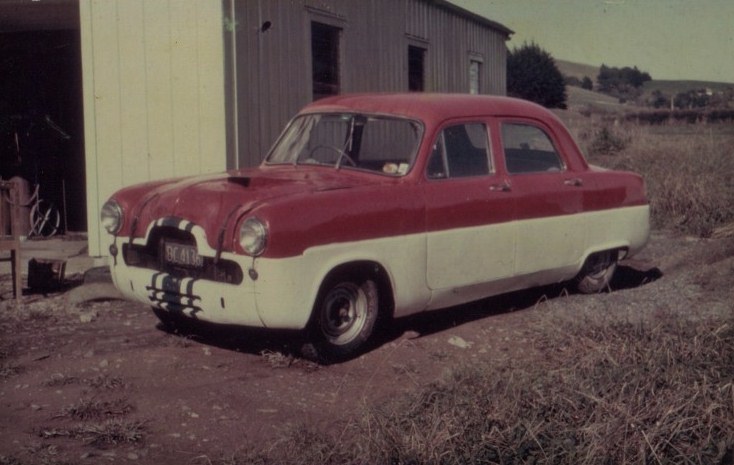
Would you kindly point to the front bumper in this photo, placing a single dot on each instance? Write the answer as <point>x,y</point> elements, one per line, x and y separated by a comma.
<point>210,294</point>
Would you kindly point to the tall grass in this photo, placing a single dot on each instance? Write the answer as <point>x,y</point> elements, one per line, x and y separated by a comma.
<point>688,169</point>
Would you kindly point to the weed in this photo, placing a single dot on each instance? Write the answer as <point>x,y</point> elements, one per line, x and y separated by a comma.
<point>106,382</point>
<point>59,379</point>
<point>87,409</point>
<point>280,360</point>
<point>107,433</point>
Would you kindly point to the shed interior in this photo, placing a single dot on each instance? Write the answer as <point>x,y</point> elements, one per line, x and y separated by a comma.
<point>41,109</point>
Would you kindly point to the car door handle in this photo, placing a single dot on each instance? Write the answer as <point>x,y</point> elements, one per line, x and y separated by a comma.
<point>575,182</point>
<point>502,187</point>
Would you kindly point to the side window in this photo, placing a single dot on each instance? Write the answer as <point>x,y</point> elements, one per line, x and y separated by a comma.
<point>460,151</point>
<point>528,149</point>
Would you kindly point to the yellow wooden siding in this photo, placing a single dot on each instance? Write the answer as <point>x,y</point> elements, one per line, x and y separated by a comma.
<point>154,105</point>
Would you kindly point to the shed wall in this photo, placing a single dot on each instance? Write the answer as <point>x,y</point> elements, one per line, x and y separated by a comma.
<point>153,95</point>
<point>272,64</point>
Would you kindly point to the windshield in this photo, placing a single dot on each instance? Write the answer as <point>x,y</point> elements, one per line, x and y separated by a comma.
<point>375,143</point>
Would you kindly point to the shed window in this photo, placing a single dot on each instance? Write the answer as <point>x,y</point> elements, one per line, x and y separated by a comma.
<point>416,69</point>
<point>475,70</point>
<point>325,56</point>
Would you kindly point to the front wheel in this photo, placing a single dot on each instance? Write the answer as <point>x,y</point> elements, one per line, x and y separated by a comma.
<point>344,318</point>
<point>597,272</point>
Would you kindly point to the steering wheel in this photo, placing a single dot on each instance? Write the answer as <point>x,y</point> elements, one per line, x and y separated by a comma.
<point>340,152</point>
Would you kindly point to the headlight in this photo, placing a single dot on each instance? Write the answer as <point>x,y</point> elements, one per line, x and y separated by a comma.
<point>253,236</point>
<point>111,216</point>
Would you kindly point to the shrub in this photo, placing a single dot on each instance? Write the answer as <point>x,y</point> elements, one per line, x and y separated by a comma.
<point>532,74</point>
<point>607,142</point>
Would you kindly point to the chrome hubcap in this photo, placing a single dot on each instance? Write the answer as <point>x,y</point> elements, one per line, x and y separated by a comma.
<point>343,313</point>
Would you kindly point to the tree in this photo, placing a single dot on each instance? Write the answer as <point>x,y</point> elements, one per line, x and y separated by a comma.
<point>621,82</point>
<point>532,74</point>
<point>587,83</point>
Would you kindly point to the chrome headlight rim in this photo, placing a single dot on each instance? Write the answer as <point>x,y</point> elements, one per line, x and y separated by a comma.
<point>111,216</point>
<point>253,236</point>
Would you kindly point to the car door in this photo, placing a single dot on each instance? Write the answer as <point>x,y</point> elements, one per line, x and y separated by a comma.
<point>469,211</point>
<point>551,233</point>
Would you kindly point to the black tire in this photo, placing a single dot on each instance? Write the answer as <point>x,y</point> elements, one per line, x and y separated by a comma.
<point>343,320</point>
<point>597,272</point>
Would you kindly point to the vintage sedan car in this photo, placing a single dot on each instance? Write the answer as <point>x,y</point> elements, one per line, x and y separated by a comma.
<point>371,207</point>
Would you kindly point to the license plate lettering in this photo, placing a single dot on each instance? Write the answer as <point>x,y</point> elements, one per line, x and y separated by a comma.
<point>182,255</point>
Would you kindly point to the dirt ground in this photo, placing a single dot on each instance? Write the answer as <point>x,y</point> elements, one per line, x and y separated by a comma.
<point>101,382</point>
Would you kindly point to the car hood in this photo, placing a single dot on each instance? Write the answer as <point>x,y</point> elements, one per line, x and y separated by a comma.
<point>217,201</point>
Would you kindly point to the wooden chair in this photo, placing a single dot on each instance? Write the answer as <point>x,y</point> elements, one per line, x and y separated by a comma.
<point>10,232</point>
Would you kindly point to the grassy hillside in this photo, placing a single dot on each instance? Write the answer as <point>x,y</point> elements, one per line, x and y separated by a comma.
<point>592,100</point>
<point>601,101</point>
<point>577,70</point>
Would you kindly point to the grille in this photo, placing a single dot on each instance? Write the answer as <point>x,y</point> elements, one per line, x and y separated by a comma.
<point>150,256</point>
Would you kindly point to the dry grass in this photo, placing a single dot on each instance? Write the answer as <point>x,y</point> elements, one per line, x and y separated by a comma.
<point>106,433</point>
<point>623,393</point>
<point>688,169</point>
<point>605,392</point>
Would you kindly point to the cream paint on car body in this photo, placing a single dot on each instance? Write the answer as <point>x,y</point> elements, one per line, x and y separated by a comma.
<point>285,290</point>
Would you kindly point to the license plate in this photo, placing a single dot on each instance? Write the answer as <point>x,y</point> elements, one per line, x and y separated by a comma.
<point>182,255</point>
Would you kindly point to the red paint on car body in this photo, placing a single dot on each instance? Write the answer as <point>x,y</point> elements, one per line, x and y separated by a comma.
<point>306,206</point>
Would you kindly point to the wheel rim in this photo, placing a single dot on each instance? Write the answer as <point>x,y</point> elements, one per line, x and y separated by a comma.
<point>343,313</point>
<point>601,266</point>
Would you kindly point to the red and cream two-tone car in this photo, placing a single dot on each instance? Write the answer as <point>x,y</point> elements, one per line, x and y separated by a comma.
<point>370,207</point>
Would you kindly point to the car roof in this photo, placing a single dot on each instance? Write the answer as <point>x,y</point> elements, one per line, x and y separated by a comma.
<point>429,107</point>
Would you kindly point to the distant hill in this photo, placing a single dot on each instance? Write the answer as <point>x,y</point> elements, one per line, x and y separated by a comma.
<point>590,99</point>
<point>578,96</point>
<point>577,70</point>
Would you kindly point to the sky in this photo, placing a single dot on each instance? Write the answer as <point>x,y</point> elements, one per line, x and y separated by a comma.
<point>670,39</point>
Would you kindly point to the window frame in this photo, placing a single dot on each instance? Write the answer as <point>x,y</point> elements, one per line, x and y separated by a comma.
<point>562,164</point>
<point>336,53</point>
<point>475,78</point>
<point>440,139</point>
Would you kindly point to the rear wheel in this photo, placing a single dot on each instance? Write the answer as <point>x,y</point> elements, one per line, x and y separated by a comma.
<point>597,272</point>
<point>343,320</point>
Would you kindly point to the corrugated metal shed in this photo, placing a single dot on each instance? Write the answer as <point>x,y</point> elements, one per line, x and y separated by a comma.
<point>271,65</point>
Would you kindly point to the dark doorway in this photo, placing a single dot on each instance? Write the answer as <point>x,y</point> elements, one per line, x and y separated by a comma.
<point>325,56</point>
<point>41,117</point>
<point>416,69</point>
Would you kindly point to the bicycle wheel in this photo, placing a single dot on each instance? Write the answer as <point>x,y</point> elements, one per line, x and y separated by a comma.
<point>45,219</point>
